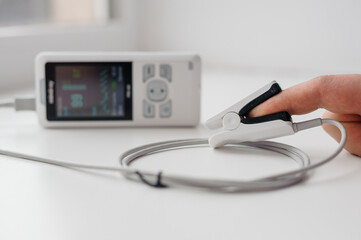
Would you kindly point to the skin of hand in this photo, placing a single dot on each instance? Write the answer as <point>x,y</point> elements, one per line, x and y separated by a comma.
<point>340,95</point>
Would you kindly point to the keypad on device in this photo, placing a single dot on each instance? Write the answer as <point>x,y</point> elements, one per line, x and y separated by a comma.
<point>157,90</point>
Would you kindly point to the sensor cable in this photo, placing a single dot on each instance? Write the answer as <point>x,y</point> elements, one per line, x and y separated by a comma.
<point>161,179</point>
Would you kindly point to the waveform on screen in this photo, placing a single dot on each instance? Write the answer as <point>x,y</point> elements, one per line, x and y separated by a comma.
<point>104,91</point>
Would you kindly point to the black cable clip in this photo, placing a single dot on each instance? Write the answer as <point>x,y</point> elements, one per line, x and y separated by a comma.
<point>158,184</point>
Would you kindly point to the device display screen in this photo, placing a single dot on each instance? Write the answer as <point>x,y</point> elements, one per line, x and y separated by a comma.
<point>89,91</point>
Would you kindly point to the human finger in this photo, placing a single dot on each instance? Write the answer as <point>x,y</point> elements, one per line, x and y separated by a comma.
<point>337,93</point>
<point>352,124</point>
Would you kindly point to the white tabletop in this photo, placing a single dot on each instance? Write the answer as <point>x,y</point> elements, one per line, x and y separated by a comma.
<point>40,201</point>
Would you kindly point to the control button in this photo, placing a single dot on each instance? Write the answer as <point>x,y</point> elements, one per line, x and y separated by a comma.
<point>148,71</point>
<point>165,70</point>
<point>148,109</point>
<point>157,90</point>
<point>42,91</point>
<point>190,65</point>
<point>165,110</point>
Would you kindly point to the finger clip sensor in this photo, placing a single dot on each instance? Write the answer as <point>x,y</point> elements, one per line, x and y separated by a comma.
<point>237,127</point>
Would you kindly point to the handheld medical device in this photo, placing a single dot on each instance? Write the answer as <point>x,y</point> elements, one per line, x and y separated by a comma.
<point>84,89</point>
<point>238,131</point>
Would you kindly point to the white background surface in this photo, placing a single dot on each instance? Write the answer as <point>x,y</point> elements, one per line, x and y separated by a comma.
<point>40,201</point>
<point>254,36</point>
<point>280,36</point>
<point>244,45</point>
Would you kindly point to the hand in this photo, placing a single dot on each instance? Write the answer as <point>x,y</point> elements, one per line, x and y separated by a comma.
<point>340,95</point>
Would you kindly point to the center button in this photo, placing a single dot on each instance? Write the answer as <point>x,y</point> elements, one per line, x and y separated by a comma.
<point>157,90</point>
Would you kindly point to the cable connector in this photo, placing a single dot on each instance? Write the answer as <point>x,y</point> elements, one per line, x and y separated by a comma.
<point>24,104</point>
<point>307,124</point>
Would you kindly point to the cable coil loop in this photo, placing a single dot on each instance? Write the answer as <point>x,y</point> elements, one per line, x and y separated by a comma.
<point>165,180</point>
<point>260,184</point>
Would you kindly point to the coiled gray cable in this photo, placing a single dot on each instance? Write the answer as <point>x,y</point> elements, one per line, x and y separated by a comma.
<point>161,180</point>
<point>260,184</point>
<point>223,185</point>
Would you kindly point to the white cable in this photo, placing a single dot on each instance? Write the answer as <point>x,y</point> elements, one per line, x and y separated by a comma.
<point>159,179</point>
<point>7,104</point>
<point>265,183</point>
<point>24,104</point>
<point>20,104</point>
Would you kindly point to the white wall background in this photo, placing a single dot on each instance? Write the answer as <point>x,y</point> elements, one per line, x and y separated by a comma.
<point>315,36</point>
<point>322,36</point>
<point>19,45</point>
